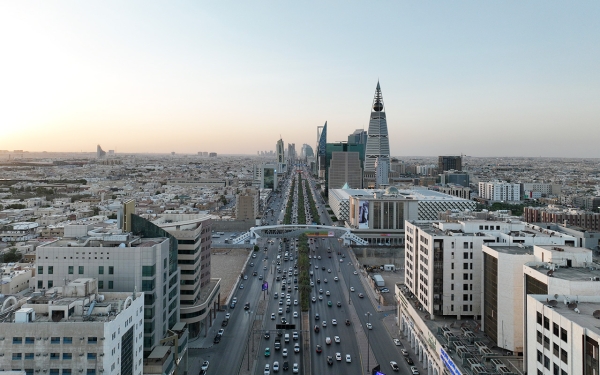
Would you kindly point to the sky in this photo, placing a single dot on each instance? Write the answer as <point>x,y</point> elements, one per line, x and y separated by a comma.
<point>479,78</point>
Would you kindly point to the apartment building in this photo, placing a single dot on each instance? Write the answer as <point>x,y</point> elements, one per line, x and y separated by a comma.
<point>247,204</point>
<point>562,215</point>
<point>499,191</point>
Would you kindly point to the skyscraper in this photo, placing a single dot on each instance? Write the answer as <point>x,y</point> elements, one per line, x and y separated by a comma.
<point>378,144</point>
<point>100,153</point>
<point>447,163</point>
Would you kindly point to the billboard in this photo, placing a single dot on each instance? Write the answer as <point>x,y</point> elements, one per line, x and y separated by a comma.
<point>363,214</point>
<point>265,286</point>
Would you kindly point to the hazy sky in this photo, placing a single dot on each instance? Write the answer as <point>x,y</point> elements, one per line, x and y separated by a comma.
<point>482,78</point>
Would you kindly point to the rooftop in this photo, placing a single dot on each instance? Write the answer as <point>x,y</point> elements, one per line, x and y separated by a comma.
<point>580,312</point>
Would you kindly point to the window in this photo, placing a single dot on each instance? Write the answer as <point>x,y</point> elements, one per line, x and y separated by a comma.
<point>546,342</point>
<point>555,349</point>
<point>539,337</point>
<point>546,323</point>
<point>451,286</point>
<point>100,270</point>
<point>465,297</point>
<point>91,356</point>
<point>465,286</point>
<point>452,265</point>
<point>28,355</point>
<point>40,284</point>
<point>148,271</point>
<point>451,276</point>
<point>100,284</point>
<point>555,329</point>
<point>66,371</point>
<point>81,270</point>
<point>465,245</point>
<point>465,255</point>
<point>50,284</point>
<point>556,369</point>
<point>547,362</point>
<point>67,340</point>
<point>539,318</point>
<point>111,270</point>
<point>16,356</point>
<point>92,340</point>
<point>54,355</point>
<point>29,340</point>
<point>465,307</point>
<point>40,270</point>
<point>54,340</point>
<point>91,371</point>
<point>564,356</point>
<point>465,266</point>
<point>67,356</point>
<point>70,270</point>
<point>110,284</point>
<point>54,371</point>
<point>50,270</point>
<point>540,357</point>
<point>17,340</point>
<point>563,335</point>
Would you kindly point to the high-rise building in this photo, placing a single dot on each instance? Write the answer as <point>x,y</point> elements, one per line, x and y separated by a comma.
<point>378,144</point>
<point>331,148</point>
<point>280,151</point>
<point>382,169</point>
<point>447,163</point>
<point>499,191</point>
<point>345,169</point>
<point>358,137</point>
<point>100,153</point>
<point>307,151</point>
<point>246,204</point>
<point>322,150</point>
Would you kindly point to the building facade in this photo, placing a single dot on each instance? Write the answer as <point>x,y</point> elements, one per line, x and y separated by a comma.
<point>378,144</point>
<point>345,168</point>
<point>500,191</point>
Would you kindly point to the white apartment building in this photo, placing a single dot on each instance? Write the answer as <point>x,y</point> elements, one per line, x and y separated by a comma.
<point>543,188</point>
<point>120,262</point>
<point>500,191</point>
<point>563,338</point>
<point>74,330</point>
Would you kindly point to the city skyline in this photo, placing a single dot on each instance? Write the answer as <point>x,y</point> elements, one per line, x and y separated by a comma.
<point>480,79</point>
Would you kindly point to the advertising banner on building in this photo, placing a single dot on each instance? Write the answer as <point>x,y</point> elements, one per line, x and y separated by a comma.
<point>363,215</point>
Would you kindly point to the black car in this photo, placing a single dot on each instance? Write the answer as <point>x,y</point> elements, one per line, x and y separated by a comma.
<point>217,339</point>
<point>329,360</point>
<point>409,361</point>
<point>267,335</point>
<point>286,366</point>
<point>247,306</point>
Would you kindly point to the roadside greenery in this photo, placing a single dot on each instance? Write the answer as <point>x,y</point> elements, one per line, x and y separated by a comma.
<point>303,267</point>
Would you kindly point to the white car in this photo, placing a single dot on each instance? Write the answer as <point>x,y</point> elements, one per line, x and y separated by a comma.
<point>280,311</point>
<point>352,289</point>
<point>327,340</point>
<point>397,342</point>
<point>314,299</point>
<point>369,326</point>
<point>337,339</point>
<point>295,302</point>
<point>204,365</point>
<point>414,370</point>
<point>284,353</point>
<point>338,356</point>
<point>295,314</point>
<point>272,316</point>
<point>334,322</point>
<point>355,272</point>
<point>324,324</point>
<point>295,369</point>
<point>275,366</point>
<point>336,278</point>
<point>394,366</point>
<point>327,293</point>
<point>348,359</point>
<point>296,348</point>
<point>227,316</point>
<point>267,370</point>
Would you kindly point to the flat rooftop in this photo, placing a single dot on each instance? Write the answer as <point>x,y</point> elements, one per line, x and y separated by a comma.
<point>572,273</point>
<point>512,250</point>
<point>585,315</point>
<point>104,242</point>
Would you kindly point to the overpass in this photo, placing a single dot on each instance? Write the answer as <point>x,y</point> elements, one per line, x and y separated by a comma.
<point>295,230</point>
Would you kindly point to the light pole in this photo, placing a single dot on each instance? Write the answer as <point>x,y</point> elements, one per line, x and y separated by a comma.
<point>368,314</point>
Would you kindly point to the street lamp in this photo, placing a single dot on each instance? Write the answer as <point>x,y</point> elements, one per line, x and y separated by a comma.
<point>368,314</point>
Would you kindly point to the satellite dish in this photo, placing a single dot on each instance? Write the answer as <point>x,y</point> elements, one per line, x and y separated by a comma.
<point>553,302</point>
<point>596,314</point>
<point>572,305</point>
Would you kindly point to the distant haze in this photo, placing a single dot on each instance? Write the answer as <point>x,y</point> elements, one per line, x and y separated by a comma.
<point>479,78</point>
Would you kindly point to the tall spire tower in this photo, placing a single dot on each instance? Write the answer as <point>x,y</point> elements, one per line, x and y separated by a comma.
<point>378,144</point>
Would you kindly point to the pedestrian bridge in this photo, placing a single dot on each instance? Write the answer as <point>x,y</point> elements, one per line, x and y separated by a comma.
<point>295,230</point>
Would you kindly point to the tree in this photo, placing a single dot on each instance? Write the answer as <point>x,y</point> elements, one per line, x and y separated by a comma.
<point>96,210</point>
<point>11,256</point>
<point>256,248</point>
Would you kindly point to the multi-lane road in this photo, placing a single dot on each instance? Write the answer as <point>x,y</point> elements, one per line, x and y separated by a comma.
<point>227,357</point>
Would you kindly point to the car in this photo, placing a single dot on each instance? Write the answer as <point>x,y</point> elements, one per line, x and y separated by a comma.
<point>329,360</point>
<point>341,261</point>
<point>336,278</point>
<point>247,306</point>
<point>355,272</point>
<point>296,348</point>
<point>317,329</point>
<point>339,304</point>
<point>337,339</point>
<point>397,342</point>
<point>283,321</point>
<point>295,302</point>
<point>284,352</point>
<point>329,303</point>
<point>325,281</point>
<point>319,257</point>
<point>295,336</point>
<point>360,295</point>
<point>369,326</point>
<point>272,316</point>
<point>404,352</point>
<point>295,368</point>
<point>327,293</point>
<point>338,357</point>
<point>348,358</point>
<point>295,314</point>
<point>316,267</point>
<point>323,268</point>
<point>280,311</point>
<point>287,309</point>
<point>334,322</point>
<point>267,335</point>
<point>314,299</point>
<point>280,302</point>
<point>317,316</point>
<point>217,339</point>
<point>221,332</point>
<point>227,316</point>
<point>414,370</point>
<point>324,323</point>
<point>267,352</point>
<point>328,340</point>
<point>267,370</point>
<point>241,286</point>
<point>254,256</point>
<point>312,283</point>
<point>347,322</point>
<point>394,366</point>
<point>260,277</point>
<point>275,295</point>
<point>265,268</point>
<point>320,298</point>
<point>232,305</point>
<point>409,360</point>
<point>285,366</point>
<point>245,277</point>
<point>329,270</point>
<point>319,349</point>
<point>275,366</point>
<point>384,290</point>
<point>352,289</point>
<point>204,365</point>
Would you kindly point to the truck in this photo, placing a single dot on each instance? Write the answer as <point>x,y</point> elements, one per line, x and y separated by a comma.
<point>277,343</point>
<point>389,267</point>
<point>378,280</point>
